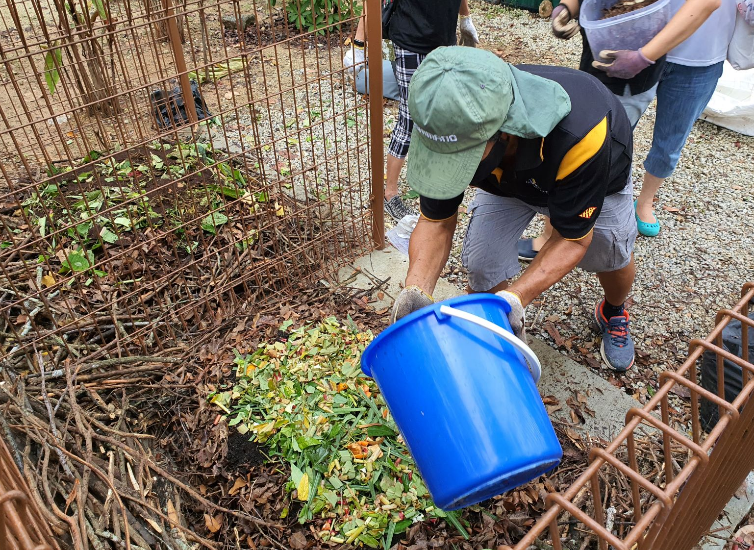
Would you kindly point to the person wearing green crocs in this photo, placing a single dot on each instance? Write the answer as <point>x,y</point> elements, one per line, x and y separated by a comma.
<point>634,78</point>
<point>531,139</point>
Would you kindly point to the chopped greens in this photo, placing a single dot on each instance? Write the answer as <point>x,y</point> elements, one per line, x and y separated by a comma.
<point>308,401</point>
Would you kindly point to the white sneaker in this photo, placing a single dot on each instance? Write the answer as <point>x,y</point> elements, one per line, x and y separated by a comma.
<point>354,60</point>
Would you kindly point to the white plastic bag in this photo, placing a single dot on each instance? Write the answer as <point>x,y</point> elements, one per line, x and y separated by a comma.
<point>400,235</point>
<point>746,9</point>
<point>732,104</point>
<point>741,47</point>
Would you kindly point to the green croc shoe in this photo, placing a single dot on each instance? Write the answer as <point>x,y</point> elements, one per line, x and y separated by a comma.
<point>646,229</point>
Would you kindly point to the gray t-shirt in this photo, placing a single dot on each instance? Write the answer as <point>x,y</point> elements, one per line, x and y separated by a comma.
<point>709,44</point>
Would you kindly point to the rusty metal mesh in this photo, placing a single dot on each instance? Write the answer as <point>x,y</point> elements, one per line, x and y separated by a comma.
<point>167,163</point>
<point>135,213</point>
<point>21,525</point>
<point>673,505</point>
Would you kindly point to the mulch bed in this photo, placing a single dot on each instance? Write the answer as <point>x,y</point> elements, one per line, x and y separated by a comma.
<point>144,428</point>
<point>626,6</point>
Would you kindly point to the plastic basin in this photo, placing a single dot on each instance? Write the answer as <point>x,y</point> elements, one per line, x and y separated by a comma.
<point>464,399</point>
<point>629,31</point>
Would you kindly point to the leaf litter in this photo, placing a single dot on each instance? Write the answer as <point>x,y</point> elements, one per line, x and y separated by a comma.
<point>305,398</point>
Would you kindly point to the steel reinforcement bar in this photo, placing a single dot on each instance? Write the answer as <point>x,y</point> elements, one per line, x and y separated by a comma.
<point>681,503</point>
<point>22,527</point>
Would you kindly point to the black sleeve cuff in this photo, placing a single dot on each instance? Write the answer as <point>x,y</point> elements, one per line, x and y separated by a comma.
<point>439,209</point>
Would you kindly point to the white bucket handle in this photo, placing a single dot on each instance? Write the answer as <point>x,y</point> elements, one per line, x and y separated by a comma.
<point>535,368</point>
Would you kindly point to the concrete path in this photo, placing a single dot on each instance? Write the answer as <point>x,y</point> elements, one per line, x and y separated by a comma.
<point>736,509</point>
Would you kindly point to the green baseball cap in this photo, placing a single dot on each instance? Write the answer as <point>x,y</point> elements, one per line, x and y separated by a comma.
<point>458,98</point>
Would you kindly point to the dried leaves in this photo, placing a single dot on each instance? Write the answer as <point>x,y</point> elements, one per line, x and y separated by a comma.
<point>213,523</point>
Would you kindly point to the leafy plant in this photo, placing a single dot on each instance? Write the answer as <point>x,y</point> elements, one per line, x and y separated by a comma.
<point>53,60</point>
<point>316,15</point>
<point>80,261</point>
<point>81,219</point>
<point>212,222</point>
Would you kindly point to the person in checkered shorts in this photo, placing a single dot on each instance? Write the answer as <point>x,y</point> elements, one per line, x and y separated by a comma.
<point>416,28</point>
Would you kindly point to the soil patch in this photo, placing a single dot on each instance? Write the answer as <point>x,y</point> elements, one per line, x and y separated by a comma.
<point>266,35</point>
<point>243,455</point>
<point>627,6</point>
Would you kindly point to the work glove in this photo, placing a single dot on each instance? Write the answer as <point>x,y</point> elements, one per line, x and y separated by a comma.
<point>469,36</point>
<point>563,24</point>
<point>516,316</point>
<point>626,64</point>
<point>411,298</point>
<point>353,61</point>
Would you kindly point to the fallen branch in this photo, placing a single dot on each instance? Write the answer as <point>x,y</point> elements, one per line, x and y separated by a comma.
<point>60,373</point>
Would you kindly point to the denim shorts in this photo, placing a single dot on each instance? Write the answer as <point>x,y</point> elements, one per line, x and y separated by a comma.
<point>682,95</point>
<point>489,248</point>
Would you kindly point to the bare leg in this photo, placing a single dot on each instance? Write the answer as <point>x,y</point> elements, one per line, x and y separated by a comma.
<point>539,242</point>
<point>394,166</point>
<point>644,204</point>
<point>617,284</point>
<point>360,28</point>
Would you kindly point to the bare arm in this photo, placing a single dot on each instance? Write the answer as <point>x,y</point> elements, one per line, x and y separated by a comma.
<point>464,9</point>
<point>683,24</point>
<point>556,259</point>
<point>428,252</point>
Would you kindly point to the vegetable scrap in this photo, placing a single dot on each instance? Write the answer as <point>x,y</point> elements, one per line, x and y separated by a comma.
<point>305,397</point>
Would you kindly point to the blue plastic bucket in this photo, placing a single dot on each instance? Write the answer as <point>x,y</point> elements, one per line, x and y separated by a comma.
<point>464,399</point>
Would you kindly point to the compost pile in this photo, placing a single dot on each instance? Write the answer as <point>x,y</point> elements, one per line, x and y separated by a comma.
<point>157,449</point>
<point>135,251</point>
<point>625,6</point>
<point>128,450</point>
<point>111,273</point>
<point>346,475</point>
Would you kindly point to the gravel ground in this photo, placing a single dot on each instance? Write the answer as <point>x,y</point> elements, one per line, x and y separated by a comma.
<point>696,266</point>
<point>311,140</point>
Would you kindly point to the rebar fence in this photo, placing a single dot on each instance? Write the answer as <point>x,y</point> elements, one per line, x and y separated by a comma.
<point>167,163</point>
<point>21,525</point>
<point>673,505</point>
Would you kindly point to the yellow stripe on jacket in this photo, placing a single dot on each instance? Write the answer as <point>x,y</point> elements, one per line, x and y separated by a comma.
<point>583,150</point>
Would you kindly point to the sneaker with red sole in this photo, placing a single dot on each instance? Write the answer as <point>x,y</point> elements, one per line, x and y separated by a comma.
<point>617,348</point>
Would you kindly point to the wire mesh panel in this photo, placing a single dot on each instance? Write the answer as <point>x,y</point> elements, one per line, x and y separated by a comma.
<point>165,162</point>
<point>678,477</point>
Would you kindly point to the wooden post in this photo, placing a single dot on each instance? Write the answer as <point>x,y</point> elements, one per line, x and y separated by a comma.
<point>180,62</point>
<point>374,64</point>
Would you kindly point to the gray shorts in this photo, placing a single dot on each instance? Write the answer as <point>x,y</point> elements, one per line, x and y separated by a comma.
<point>489,248</point>
<point>635,105</point>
